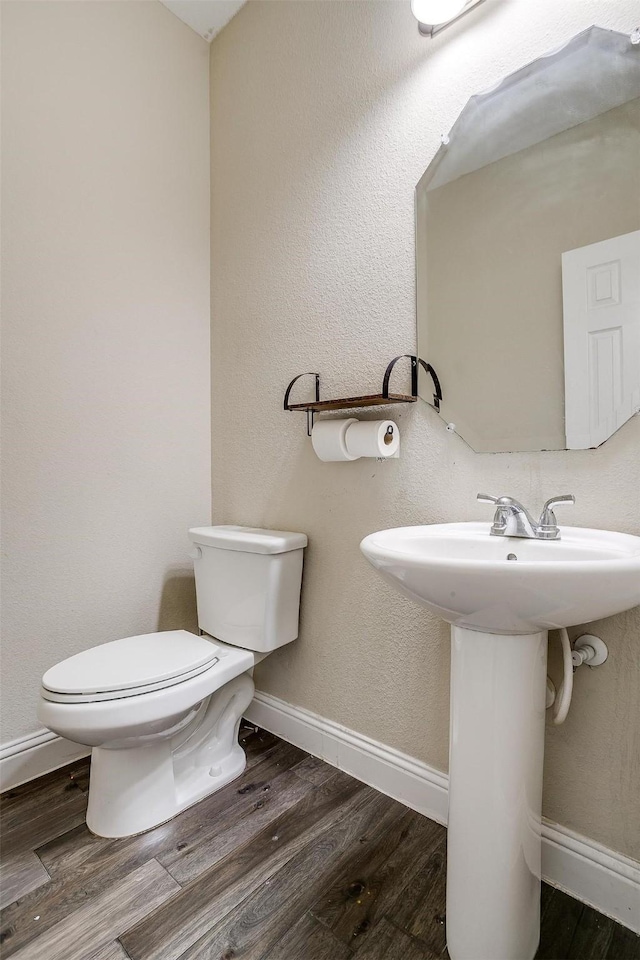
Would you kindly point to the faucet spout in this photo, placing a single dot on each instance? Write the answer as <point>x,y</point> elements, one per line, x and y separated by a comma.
<point>512,519</point>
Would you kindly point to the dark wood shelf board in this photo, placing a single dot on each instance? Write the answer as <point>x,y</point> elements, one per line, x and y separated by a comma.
<point>375,400</point>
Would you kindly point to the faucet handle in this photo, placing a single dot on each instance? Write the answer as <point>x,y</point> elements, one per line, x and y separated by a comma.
<point>487,498</point>
<point>548,517</point>
<point>499,524</point>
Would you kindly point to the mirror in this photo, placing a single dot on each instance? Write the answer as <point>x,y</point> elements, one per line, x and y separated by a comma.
<point>528,253</point>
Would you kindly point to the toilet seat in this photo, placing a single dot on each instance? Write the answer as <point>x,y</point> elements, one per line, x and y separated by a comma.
<point>137,665</point>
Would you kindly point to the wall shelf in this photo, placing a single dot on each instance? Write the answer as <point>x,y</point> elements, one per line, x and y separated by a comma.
<point>374,400</point>
<point>311,407</point>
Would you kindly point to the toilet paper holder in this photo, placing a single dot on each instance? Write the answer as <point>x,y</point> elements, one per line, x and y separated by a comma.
<point>312,407</point>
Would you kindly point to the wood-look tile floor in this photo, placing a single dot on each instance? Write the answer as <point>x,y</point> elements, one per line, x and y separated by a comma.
<point>292,861</point>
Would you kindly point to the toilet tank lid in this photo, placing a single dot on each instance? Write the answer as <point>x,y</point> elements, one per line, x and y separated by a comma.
<point>248,539</point>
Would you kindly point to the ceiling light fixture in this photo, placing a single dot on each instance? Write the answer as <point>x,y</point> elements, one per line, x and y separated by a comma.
<point>434,15</point>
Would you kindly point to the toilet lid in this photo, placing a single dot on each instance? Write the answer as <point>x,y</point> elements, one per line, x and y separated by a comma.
<point>132,662</point>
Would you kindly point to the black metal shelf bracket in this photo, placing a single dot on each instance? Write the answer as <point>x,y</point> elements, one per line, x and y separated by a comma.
<point>310,413</point>
<point>415,361</point>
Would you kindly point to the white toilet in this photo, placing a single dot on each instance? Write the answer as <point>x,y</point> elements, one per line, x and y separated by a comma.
<point>162,710</point>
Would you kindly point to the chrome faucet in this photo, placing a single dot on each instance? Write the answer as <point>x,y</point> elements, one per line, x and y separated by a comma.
<point>513,520</point>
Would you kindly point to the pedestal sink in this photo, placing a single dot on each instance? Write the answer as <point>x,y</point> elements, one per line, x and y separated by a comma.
<point>501,595</point>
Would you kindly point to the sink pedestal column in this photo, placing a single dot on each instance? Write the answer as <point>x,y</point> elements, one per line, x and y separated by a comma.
<point>498,686</point>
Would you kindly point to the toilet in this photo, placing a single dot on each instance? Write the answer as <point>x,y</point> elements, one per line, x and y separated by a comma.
<point>161,711</point>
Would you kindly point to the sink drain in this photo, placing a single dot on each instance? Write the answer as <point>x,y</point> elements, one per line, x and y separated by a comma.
<point>511,556</point>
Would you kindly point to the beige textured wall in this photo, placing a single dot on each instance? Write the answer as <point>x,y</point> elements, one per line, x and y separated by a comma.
<point>324,116</point>
<point>105,245</point>
<point>492,272</point>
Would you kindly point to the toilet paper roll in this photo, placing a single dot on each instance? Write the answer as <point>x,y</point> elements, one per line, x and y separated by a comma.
<point>328,439</point>
<point>373,438</point>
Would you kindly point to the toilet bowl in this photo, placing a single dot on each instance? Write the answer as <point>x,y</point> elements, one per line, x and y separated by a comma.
<point>161,711</point>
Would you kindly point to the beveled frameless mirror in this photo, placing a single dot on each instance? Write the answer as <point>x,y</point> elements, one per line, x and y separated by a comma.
<point>528,253</point>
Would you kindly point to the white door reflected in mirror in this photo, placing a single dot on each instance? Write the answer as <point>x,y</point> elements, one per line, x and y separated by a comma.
<point>601,297</point>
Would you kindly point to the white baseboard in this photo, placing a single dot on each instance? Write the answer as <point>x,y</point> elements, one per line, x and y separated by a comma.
<point>602,878</point>
<point>34,755</point>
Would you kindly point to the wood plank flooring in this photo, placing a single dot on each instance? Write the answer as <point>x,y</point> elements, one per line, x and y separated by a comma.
<point>293,861</point>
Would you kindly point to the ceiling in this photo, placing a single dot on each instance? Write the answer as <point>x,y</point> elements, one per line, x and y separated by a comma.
<point>206,17</point>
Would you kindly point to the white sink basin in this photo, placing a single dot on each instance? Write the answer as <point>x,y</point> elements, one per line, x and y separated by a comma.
<point>463,574</point>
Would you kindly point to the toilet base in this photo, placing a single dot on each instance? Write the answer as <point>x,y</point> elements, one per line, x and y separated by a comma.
<point>137,787</point>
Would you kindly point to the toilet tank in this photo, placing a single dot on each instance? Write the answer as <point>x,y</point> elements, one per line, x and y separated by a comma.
<point>248,584</point>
